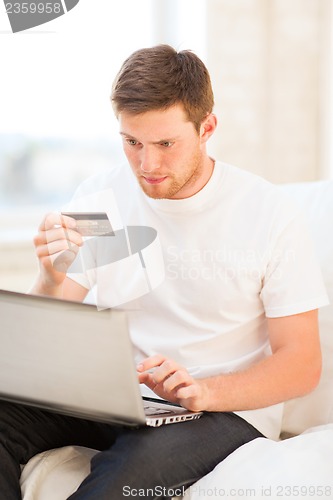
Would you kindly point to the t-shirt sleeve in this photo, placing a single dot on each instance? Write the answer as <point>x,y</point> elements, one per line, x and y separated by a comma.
<point>293,281</point>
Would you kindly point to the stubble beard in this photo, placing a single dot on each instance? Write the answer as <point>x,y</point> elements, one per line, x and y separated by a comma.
<point>160,192</point>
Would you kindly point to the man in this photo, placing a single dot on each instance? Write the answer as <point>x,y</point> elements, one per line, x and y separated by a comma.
<point>231,330</point>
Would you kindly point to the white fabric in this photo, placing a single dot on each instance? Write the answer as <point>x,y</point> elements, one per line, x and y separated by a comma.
<point>300,467</point>
<point>55,474</point>
<point>238,241</point>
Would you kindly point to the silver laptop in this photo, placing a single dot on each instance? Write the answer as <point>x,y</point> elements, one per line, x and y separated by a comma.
<point>73,359</point>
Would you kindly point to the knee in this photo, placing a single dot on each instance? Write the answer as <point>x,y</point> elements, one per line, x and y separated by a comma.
<point>135,465</point>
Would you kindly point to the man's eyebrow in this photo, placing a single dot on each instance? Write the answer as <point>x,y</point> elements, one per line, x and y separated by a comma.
<point>129,136</point>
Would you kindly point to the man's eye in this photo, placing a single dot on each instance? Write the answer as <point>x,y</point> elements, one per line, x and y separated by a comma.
<point>132,142</point>
<point>166,144</point>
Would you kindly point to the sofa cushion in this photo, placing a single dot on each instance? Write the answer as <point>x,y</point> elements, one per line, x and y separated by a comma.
<point>316,199</point>
<point>299,467</point>
<point>55,474</point>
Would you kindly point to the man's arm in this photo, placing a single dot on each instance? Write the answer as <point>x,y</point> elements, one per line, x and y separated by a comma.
<point>67,290</point>
<point>292,370</point>
<point>57,244</point>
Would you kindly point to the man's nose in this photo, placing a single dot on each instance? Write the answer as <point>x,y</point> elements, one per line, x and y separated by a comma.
<point>149,160</point>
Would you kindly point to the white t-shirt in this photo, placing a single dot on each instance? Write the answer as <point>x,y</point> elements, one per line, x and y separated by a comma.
<point>200,275</point>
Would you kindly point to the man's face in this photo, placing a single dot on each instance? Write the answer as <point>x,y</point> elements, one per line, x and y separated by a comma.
<point>166,153</point>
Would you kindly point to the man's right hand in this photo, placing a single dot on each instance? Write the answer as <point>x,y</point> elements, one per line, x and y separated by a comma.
<point>57,244</point>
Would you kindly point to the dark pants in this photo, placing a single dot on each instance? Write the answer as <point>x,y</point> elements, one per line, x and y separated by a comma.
<point>156,461</point>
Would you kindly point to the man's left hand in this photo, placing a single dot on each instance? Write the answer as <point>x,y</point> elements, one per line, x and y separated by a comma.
<point>172,382</point>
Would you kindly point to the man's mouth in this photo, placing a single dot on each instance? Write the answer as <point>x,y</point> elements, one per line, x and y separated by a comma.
<point>154,180</point>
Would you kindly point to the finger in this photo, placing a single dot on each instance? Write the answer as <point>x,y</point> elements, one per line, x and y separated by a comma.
<point>58,234</point>
<point>188,392</point>
<point>62,261</point>
<point>145,378</point>
<point>194,397</point>
<point>54,219</point>
<point>179,379</point>
<point>151,362</point>
<point>165,370</point>
<point>56,247</point>
<point>72,236</point>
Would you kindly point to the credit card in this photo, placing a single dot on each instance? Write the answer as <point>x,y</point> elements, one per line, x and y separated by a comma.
<point>91,223</point>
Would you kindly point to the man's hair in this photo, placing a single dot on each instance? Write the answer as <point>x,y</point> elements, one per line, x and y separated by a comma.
<point>159,77</point>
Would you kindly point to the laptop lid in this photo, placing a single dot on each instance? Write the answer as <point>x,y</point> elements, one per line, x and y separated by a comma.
<point>68,357</point>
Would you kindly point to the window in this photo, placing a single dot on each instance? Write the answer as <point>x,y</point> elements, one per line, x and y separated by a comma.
<point>57,123</point>
<point>57,126</point>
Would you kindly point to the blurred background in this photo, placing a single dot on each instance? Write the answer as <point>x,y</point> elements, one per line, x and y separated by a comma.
<point>271,67</point>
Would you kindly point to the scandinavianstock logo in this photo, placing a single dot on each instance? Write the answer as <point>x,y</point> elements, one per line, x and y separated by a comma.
<point>24,14</point>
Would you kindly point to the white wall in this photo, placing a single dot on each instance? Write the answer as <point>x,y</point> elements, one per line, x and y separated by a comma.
<point>270,63</point>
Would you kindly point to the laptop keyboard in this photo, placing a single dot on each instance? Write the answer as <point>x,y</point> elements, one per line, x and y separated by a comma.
<point>152,410</point>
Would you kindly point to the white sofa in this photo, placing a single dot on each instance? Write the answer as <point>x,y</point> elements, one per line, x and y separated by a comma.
<point>300,465</point>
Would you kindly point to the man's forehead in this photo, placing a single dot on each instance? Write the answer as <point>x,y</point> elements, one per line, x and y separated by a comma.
<point>155,125</point>
<point>175,112</point>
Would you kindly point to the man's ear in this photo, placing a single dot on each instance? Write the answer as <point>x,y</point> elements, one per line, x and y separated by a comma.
<point>207,127</point>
